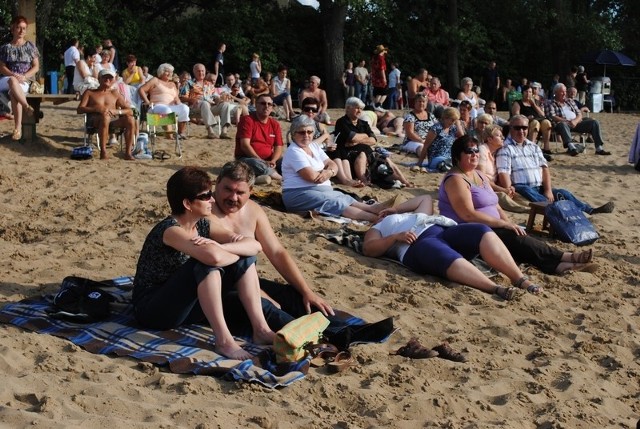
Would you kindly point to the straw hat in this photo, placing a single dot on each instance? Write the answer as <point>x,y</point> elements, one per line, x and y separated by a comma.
<point>380,49</point>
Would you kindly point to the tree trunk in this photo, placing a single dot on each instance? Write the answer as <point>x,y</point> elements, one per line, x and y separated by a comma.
<point>333,14</point>
<point>452,52</point>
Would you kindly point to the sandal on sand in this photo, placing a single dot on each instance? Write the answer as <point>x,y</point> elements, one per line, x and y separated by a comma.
<point>415,350</point>
<point>446,352</point>
<point>321,354</point>
<point>583,257</point>
<point>532,288</point>
<point>507,293</point>
<point>341,362</point>
<point>585,268</point>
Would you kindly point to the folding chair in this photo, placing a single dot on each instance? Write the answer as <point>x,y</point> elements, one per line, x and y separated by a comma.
<point>90,130</point>
<point>155,120</point>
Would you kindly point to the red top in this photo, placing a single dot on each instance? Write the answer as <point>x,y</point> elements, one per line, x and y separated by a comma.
<point>378,71</point>
<point>263,137</point>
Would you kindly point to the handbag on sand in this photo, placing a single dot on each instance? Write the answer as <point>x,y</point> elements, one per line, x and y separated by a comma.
<point>570,224</point>
<point>289,344</point>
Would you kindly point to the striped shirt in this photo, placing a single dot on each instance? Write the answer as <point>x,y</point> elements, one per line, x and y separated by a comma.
<point>524,163</point>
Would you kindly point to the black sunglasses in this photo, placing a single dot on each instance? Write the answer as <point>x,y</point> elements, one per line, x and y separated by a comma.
<point>471,150</point>
<point>310,109</point>
<point>520,127</point>
<point>204,197</point>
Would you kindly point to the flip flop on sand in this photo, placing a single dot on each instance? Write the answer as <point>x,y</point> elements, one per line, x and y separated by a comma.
<point>341,362</point>
<point>446,352</point>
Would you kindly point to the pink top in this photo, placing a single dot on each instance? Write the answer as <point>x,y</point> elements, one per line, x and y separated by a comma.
<point>163,94</point>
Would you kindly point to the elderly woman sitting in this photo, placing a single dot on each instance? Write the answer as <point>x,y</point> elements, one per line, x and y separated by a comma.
<point>466,195</point>
<point>437,144</point>
<point>438,246</point>
<point>306,170</point>
<point>161,93</point>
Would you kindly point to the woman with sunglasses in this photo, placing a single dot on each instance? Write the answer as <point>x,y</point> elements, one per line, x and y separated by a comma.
<point>306,174</point>
<point>186,267</point>
<point>19,63</point>
<point>465,195</point>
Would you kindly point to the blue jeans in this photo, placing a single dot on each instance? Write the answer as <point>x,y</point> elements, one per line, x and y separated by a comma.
<point>361,92</point>
<point>536,193</point>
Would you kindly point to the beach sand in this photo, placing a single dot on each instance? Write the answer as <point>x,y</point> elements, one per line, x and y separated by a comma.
<point>569,358</point>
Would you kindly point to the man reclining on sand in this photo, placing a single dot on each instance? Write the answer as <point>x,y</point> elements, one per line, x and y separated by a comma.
<point>106,108</point>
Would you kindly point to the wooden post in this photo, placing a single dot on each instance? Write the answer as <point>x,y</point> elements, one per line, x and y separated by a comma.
<point>27,8</point>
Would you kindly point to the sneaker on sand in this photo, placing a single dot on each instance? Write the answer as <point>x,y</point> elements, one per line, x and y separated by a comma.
<point>263,180</point>
<point>605,208</point>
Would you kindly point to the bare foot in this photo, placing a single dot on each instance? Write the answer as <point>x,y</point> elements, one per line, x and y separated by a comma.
<point>103,154</point>
<point>264,338</point>
<point>233,351</point>
<point>355,184</point>
<point>129,158</point>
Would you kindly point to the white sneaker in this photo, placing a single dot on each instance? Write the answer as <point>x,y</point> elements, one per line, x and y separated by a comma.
<point>263,180</point>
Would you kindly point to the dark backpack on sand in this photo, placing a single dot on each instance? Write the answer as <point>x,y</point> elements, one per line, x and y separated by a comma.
<point>81,300</point>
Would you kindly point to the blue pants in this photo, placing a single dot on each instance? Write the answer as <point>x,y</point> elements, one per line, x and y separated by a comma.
<point>438,247</point>
<point>361,92</point>
<point>535,193</point>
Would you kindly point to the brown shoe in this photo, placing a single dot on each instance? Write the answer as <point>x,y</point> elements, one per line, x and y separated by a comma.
<point>415,350</point>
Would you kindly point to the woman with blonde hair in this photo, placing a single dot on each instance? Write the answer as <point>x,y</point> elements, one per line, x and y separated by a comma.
<point>437,144</point>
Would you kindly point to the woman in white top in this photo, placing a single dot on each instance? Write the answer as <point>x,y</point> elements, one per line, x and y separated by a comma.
<point>306,174</point>
<point>281,91</point>
<point>466,93</point>
<point>85,75</point>
<point>255,67</point>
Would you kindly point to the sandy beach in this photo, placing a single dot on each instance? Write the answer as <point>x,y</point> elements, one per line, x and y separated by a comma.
<point>569,358</point>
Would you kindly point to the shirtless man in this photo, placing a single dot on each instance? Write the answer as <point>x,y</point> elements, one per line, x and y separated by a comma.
<point>319,94</point>
<point>106,107</point>
<point>234,211</point>
<point>419,83</point>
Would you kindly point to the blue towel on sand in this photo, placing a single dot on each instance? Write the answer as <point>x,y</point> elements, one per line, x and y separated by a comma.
<point>187,349</point>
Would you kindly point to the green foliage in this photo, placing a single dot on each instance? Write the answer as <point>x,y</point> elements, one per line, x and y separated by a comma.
<point>532,38</point>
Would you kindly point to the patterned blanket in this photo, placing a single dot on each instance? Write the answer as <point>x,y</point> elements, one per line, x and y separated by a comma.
<point>188,349</point>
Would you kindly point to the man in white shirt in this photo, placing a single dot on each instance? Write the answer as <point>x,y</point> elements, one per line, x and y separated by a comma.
<point>71,58</point>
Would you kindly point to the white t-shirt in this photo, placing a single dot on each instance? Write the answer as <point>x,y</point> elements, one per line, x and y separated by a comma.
<point>295,159</point>
<point>416,222</point>
<point>569,115</point>
<point>71,55</point>
<point>255,74</point>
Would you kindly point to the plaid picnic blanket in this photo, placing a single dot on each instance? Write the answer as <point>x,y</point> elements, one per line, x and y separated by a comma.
<point>187,349</point>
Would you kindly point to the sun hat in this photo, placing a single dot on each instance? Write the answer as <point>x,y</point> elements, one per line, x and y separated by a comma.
<point>106,72</point>
<point>380,49</point>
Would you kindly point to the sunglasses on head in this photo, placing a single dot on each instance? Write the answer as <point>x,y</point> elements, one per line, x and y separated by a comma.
<point>310,109</point>
<point>204,196</point>
<point>520,127</point>
<point>471,150</point>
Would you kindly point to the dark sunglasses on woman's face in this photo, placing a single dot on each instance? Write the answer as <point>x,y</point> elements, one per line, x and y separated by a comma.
<point>471,150</point>
<point>204,197</point>
<point>310,109</point>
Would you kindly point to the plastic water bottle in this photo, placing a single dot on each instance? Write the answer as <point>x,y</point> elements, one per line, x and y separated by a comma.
<point>141,149</point>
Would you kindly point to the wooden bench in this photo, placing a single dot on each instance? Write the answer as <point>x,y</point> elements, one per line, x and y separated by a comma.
<point>29,122</point>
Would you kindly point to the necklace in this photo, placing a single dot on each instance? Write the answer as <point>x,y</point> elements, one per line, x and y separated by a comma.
<point>473,178</point>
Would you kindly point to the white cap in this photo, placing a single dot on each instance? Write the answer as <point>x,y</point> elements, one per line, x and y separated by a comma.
<point>106,72</point>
